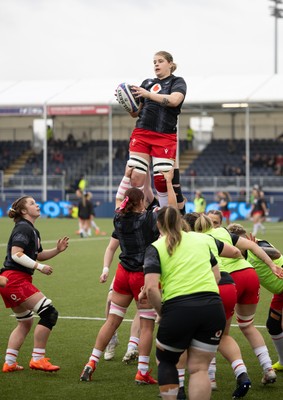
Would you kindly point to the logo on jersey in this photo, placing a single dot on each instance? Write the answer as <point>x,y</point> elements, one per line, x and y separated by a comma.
<point>155,88</point>
<point>166,151</point>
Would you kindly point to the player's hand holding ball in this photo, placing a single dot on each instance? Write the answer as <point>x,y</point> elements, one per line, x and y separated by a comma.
<point>126,99</point>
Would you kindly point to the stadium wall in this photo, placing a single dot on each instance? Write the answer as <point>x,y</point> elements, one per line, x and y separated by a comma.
<point>61,209</point>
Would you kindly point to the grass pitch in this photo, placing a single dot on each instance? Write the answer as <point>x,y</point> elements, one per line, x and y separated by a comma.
<point>80,299</point>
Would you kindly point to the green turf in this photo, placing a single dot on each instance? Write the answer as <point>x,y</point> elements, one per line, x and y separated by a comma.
<point>76,292</point>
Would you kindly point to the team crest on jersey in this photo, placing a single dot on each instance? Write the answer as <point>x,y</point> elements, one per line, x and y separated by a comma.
<point>166,151</point>
<point>156,88</point>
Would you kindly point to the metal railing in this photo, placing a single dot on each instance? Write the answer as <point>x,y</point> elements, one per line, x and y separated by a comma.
<point>56,184</point>
<point>18,185</point>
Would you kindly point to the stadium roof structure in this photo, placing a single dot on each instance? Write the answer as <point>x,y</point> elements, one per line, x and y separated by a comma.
<point>264,92</point>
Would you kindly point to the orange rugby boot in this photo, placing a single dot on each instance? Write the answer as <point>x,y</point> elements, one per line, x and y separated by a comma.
<point>43,365</point>
<point>12,368</point>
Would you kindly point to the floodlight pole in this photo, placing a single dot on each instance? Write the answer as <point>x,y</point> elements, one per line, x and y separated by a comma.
<point>110,154</point>
<point>276,12</point>
<point>247,138</point>
<point>177,161</point>
<point>44,176</point>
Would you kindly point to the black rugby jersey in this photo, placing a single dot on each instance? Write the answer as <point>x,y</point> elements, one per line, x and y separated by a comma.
<point>26,236</point>
<point>258,205</point>
<point>157,117</point>
<point>85,209</point>
<point>135,231</point>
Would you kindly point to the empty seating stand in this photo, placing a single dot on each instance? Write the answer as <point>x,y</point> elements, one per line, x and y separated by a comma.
<point>220,154</point>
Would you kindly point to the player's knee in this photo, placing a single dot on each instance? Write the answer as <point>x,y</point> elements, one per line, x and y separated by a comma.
<point>117,310</point>
<point>167,356</point>
<point>273,323</point>
<point>149,313</point>
<point>48,318</point>
<point>139,164</point>
<point>47,313</point>
<point>244,321</point>
<point>162,164</point>
<point>167,371</point>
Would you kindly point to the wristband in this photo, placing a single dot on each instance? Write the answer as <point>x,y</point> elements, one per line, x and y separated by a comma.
<point>105,270</point>
<point>39,266</point>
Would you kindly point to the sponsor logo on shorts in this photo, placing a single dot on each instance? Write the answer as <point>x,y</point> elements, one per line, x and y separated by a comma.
<point>217,336</point>
<point>14,298</point>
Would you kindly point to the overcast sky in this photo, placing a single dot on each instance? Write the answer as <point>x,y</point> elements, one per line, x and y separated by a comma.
<point>79,39</point>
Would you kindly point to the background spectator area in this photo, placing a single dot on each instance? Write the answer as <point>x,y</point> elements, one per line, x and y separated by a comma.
<point>227,158</point>
<point>219,158</point>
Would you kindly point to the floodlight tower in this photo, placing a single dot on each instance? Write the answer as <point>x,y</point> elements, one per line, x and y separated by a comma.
<point>276,12</point>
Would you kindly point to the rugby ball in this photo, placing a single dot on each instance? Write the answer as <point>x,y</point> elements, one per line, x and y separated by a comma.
<point>126,99</point>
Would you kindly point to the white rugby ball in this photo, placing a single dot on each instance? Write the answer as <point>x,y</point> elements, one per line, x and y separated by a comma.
<point>126,98</point>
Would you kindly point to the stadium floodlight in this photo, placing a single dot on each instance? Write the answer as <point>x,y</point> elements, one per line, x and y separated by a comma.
<point>277,13</point>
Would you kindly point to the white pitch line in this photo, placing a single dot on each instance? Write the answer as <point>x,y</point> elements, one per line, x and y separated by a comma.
<point>79,239</point>
<point>96,239</point>
<point>124,320</point>
<point>91,318</point>
<point>130,320</point>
